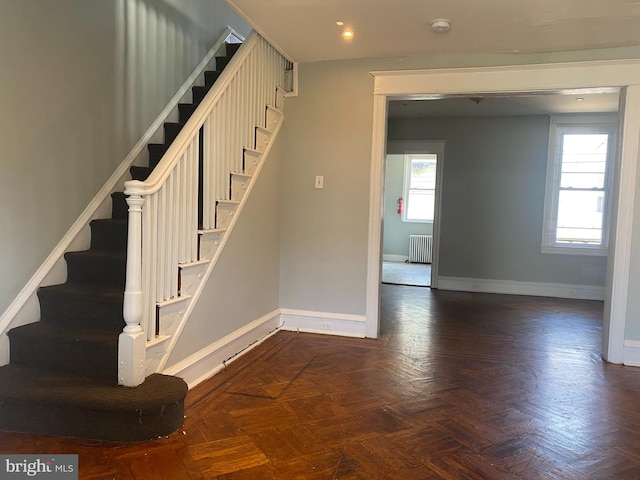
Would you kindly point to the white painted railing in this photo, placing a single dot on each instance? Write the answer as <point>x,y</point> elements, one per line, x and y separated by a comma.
<point>163,210</point>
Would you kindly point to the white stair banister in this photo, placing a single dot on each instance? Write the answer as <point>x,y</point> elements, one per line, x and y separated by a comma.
<point>132,340</point>
<point>164,227</point>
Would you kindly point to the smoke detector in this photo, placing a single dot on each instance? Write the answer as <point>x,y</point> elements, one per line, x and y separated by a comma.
<point>440,25</point>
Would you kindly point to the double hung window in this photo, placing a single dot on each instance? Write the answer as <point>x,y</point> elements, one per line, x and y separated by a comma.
<point>419,187</point>
<point>577,199</point>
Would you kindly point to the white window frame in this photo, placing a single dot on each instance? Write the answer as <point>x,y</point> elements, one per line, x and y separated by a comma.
<point>559,125</point>
<point>407,183</point>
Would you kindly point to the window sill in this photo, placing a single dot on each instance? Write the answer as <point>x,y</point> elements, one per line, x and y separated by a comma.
<point>570,250</point>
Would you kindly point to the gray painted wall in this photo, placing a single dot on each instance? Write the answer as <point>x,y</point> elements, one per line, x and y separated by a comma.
<point>324,232</point>
<point>396,233</point>
<point>81,82</point>
<point>493,200</point>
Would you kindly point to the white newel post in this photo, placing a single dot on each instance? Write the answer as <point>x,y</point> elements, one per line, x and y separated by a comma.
<point>132,340</point>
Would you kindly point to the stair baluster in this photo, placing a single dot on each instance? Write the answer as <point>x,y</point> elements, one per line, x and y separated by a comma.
<point>132,342</point>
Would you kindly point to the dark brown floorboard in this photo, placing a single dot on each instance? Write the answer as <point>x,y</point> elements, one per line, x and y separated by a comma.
<point>459,386</point>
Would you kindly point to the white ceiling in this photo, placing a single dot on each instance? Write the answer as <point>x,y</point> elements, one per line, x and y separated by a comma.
<point>306,30</point>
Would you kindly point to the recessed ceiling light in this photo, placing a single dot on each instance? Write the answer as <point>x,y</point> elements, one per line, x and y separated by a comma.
<point>440,25</point>
<point>348,34</point>
<point>339,23</point>
<point>579,99</point>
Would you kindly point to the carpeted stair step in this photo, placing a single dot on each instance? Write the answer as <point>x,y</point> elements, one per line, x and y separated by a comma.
<point>46,346</point>
<point>72,305</point>
<point>185,111</point>
<point>222,62</point>
<point>211,76</point>
<point>109,234</point>
<point>156,152</point>
<point>119,207</point>
<point>96,267</point>
<point>199,92</point>
<point>232,48</point>
<point>50,404</point>
<point>171,131</point>
<point>140,173</point>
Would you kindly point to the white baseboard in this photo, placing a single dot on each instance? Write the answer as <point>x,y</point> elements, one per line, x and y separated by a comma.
<point>557,290</point>
<point>631,353</point>
<point>344,325</point>
<point>388,257</point>
<point>207,362</point>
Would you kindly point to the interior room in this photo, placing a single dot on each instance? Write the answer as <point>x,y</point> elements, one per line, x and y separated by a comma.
<point>196,214</point>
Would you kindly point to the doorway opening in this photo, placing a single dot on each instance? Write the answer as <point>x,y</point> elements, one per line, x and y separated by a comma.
<point>521,79</point>
<point>412,179</point>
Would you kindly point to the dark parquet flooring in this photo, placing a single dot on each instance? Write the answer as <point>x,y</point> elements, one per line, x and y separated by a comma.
<point>459,386</point>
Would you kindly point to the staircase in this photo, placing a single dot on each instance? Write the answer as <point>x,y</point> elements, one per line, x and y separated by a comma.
<point>63,375</point>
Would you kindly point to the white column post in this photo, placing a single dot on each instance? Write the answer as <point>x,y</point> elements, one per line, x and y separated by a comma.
<point>132,340</point>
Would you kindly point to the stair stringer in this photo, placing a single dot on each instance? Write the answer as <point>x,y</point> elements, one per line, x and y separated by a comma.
<point>178,311</point>
<point>25,308</point>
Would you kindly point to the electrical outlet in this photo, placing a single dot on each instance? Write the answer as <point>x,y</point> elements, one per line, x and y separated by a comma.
<point>326,325</point>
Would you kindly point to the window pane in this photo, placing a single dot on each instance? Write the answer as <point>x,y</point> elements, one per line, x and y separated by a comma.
<point>584,143</point>
<point>580,216</point>
<point>423,173</point>
<point>584,160</point>
<point>421,205</point>
<point>582,180</point>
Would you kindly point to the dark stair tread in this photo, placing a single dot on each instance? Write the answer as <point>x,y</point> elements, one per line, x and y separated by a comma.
<point>79,290</point>
<point>46,346</point>
<point>73,305</point>
<point>186,110</point>
<point>96,267</point>
<point>171,131</point>
<point>54,332</point>
<point>199,92</point>
<point>211,76</point>
<point>114,221</point>
<point>156,152</point>
<point>36,385</point>
<point>140,173</point>
<point>222,62</point>
<point>38,401</point>
<point>232,48</point>
<point>109,234</point>
<point>119,208</point>
<point>98,254</point>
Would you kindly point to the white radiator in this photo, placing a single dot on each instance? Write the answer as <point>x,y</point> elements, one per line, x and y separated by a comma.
<point>420,248</point>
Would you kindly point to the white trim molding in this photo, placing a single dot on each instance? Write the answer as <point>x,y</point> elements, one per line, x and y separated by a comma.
<point>622,215</point>
<point>344,325</point>
<point>207,362</point>
<point>631,353</point>
<point>212,359</point>
<point>613,75</point>
<point>512,287</point>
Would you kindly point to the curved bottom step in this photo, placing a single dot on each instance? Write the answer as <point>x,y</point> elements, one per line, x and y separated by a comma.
<point>35,401</point>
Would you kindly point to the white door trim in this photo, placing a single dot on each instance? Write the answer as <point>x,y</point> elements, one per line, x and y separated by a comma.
<point>515,79</point>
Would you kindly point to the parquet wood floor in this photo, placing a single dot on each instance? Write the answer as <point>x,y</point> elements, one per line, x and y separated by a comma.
<point>459,386</point>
